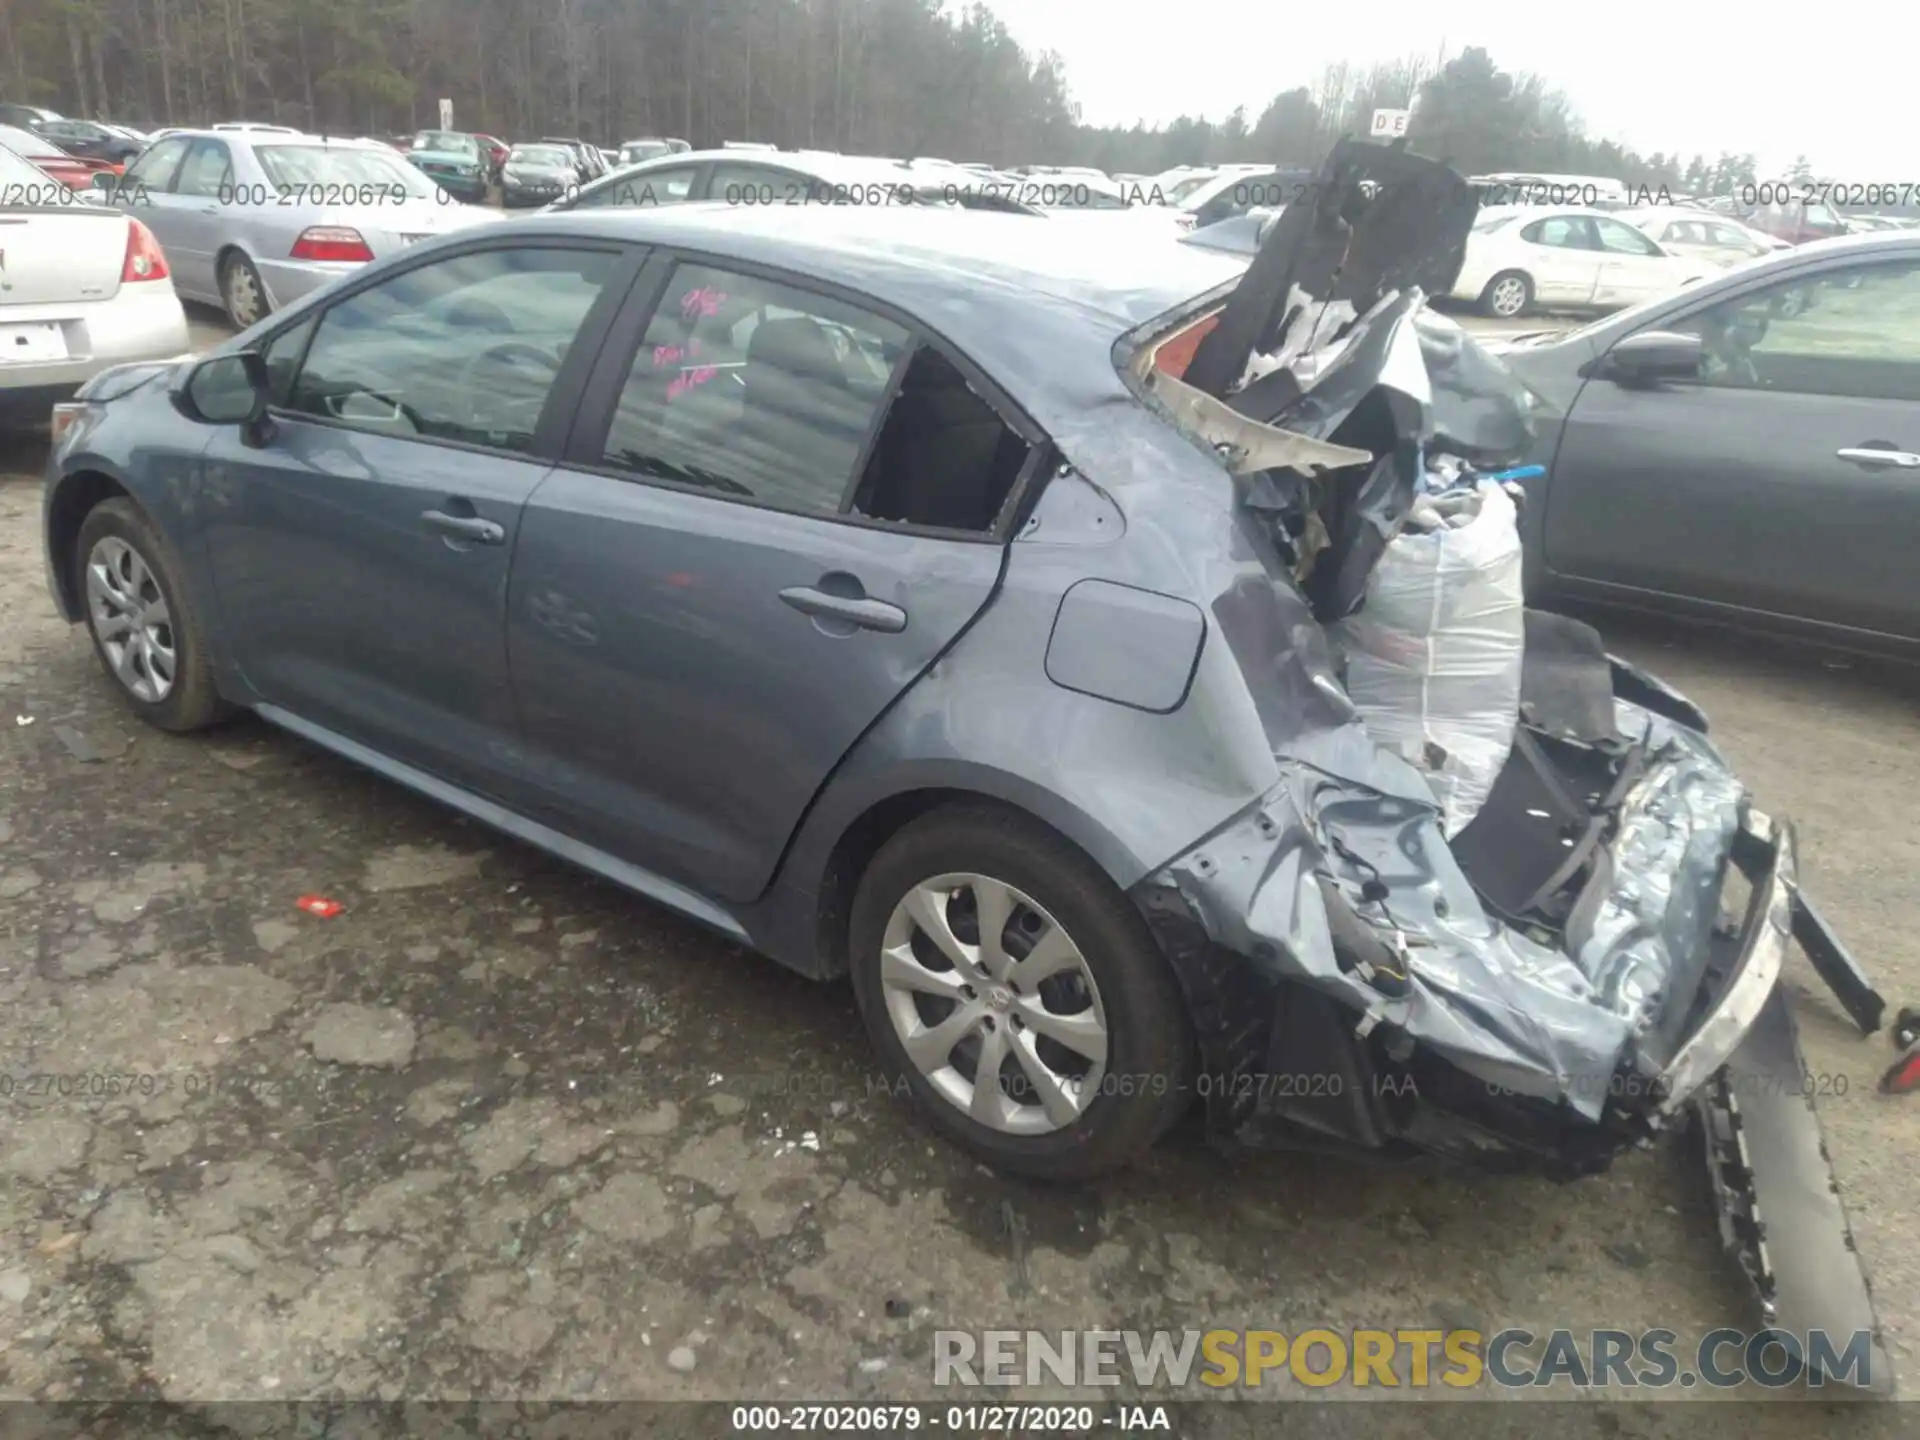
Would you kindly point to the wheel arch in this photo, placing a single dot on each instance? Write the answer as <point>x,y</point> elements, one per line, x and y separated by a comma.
<point>71,501</point>
<point>813,890</point>
<point>231,250</point>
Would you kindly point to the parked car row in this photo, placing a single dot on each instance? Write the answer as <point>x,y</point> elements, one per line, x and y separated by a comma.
<point>50,161</point>
<point>757,559</point>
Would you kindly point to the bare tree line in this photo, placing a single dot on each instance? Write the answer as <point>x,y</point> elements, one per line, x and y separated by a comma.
<point>901,77</point>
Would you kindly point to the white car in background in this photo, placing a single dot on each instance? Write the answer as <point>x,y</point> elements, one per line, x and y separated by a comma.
<point>1234,190</point>
<point>1714,238</point>
<point>251,220</point>
<point>82,287</point>
<point>1522,257</point>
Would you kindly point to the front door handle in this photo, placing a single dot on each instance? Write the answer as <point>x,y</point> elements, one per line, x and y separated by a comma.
<point>865,613</point>
<point>1873,455</point>
<point>465,527</point>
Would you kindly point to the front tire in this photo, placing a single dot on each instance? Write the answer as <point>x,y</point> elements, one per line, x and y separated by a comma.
<point>145,631</point>
<point>242,293</point>
<point>1018,997</point>
<point>1508,296</point>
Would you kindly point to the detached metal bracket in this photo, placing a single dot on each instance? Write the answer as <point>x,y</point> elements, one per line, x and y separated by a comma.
<point>1836,965</point>
<point>1251,446</point>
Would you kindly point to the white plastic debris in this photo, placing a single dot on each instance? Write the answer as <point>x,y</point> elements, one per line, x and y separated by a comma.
<point>1434,654</point>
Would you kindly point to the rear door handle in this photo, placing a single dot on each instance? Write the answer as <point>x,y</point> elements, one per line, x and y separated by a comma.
<point>867,614</point>
<point>1871,455</point>
<point>465,527</point>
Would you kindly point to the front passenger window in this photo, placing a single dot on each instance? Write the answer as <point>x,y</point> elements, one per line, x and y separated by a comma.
<point>153,170</point>
<point>1849,332</point>
<point>1623,239</point>
<point>464,349</point>
<point>207,173</point>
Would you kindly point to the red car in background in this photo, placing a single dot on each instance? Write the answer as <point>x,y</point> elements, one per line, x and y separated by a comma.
<point>1797,221</point>
<point>51,160</point>
<point>496,149</point>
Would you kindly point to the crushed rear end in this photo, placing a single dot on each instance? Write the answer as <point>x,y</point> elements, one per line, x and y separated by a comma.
<point>1593,956</point>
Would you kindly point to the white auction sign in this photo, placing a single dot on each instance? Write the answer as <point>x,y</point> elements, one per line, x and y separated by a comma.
<point>446,116</point>
<point>1390,124</point>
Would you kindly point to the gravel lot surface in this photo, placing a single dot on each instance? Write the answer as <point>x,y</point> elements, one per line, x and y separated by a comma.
<point>499,1130</point>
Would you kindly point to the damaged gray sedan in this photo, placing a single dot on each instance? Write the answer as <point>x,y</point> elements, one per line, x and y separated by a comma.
<point>1020,629</point>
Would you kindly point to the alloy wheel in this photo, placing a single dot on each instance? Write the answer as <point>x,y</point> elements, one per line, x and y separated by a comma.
<point>1509,297</point>
<point>130,618</point>
<point>994,1004</point>
<point>243,294</point>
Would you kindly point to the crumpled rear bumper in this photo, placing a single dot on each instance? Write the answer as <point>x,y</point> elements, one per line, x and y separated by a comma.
<point>1328,1056</point>
<point>1781,1216</point>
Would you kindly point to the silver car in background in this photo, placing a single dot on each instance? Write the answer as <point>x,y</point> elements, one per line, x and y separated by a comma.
<point>81,288</point>
<point>252,220</point>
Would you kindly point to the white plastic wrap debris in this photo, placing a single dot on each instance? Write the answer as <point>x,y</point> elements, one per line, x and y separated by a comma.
<point>1434,654</point>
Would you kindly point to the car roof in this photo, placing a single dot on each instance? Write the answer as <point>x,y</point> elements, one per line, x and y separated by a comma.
<point>1864,243</point>
<point>272,137</point>
<point>1549,212</point>
<point>1226,177</point>
<point>10,135</point>
<point>1677,212</point>
<point>1024,296</point>
<point>820,164</point>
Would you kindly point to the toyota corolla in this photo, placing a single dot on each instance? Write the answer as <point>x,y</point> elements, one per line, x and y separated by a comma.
<point>929,598</point>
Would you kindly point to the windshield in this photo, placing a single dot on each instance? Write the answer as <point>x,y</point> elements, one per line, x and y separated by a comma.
<point>22,186</point>
<point>446,142</point>
<point>640,150</point>
<point>1492,222</point>
<point>540,156</point>
<point>303,167</point>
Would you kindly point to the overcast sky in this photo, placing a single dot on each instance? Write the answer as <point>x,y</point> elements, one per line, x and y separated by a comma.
<point>1653,74</point>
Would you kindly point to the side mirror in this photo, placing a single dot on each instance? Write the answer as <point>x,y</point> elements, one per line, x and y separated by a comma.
<point>102,180</point>
<point>1655,355</point>
<point>225,390</point>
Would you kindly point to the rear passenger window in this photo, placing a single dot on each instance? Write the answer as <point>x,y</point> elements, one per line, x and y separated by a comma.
<point>656,187</point>
<point>753,389</point>
<point>944,458</point>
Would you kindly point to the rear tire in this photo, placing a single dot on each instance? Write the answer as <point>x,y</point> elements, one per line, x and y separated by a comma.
<point>149,638</point>
<point>242,293</point>
<point>1508,296</point>
<point>1091,1046</point>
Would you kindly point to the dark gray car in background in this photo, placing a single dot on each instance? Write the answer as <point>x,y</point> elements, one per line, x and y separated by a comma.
<point>1746,451</point>
<point>538,174</point>
<point>919,596</point>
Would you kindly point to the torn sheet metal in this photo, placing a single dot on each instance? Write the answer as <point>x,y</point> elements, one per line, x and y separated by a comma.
<point>1248,446</point>
<point>1520,1015</point>
<point>1376,220</point>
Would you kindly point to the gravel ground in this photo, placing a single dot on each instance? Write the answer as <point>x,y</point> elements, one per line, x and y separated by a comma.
<point>498,1130</point>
